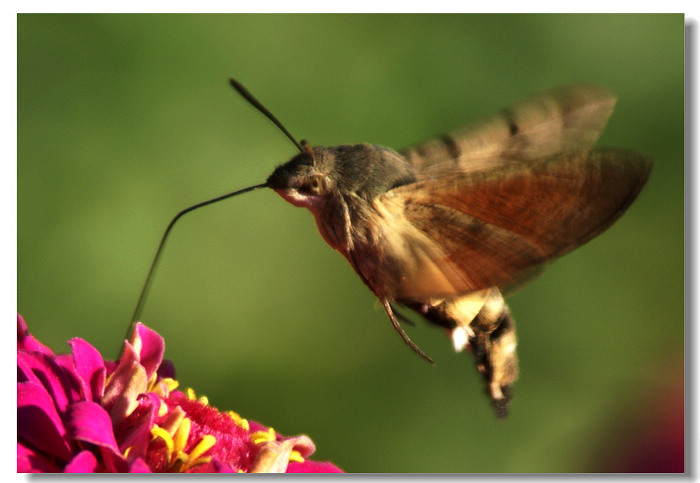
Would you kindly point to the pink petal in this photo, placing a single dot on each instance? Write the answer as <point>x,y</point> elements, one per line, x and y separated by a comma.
<point>90,368</point>
<point>29,461</point>
<point>135,431</point>
<point>273,456</point>
<point>89,422</point>
<point>26,342</point>
<point>84,462</point>
<point>38,423</point>
<point>43,369</point>
<point>24,370</point>
<point>221,467</point>
<point>256,426</point>
<point>150,346</point>
<point>313,467</point>
<point>125,384</point>
<point>139,466</point>
<point>72,383</point>
<point>302,444</point>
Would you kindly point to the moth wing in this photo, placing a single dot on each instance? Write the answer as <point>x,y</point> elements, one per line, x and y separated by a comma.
<point>566,120</point>
<point>472,231</point>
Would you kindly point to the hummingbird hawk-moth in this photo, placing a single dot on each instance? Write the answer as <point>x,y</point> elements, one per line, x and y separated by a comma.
<point>446,227</point>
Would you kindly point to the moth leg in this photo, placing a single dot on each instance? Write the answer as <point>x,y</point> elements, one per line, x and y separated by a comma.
<point>401,332</point>
<point>401,316</point>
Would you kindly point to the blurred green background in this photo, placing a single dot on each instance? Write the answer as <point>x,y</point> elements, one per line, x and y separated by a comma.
<point>123,120</point>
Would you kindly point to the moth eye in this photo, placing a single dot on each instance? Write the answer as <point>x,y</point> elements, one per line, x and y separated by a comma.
<point>315,185</point>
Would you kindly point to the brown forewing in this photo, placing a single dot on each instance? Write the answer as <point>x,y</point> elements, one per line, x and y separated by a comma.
<point>492,227</point>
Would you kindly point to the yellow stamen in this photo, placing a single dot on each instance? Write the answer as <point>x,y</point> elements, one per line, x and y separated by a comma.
<point>180,464</point>
<point>178,460</point>
<point>203,446</point>
<point>295,456</point>
<point>163,387</point>
<point>162,409</point>
<point>263,436</point>
<point>239,421</point>
<point>192,396</point>
<point>170,383</point>
<point>173,420</point>
<point>199,461</point>
<point>181,435</point>
<point>159,432</point>
<point>152,380</point>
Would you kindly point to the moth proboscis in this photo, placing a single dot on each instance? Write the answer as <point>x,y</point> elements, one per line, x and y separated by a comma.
<point>446,227</point>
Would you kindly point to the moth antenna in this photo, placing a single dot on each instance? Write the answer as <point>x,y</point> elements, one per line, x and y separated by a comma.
<point>154,264</point>
<point>256,104</point>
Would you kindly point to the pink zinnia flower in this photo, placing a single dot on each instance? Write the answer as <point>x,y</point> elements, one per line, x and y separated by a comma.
<point>79,413</point>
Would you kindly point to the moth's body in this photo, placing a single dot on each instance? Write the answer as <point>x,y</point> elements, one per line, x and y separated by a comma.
<point>368,225</point>
<point>445,227</point>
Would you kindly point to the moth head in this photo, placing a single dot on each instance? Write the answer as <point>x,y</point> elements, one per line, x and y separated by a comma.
<point>304,180</point>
